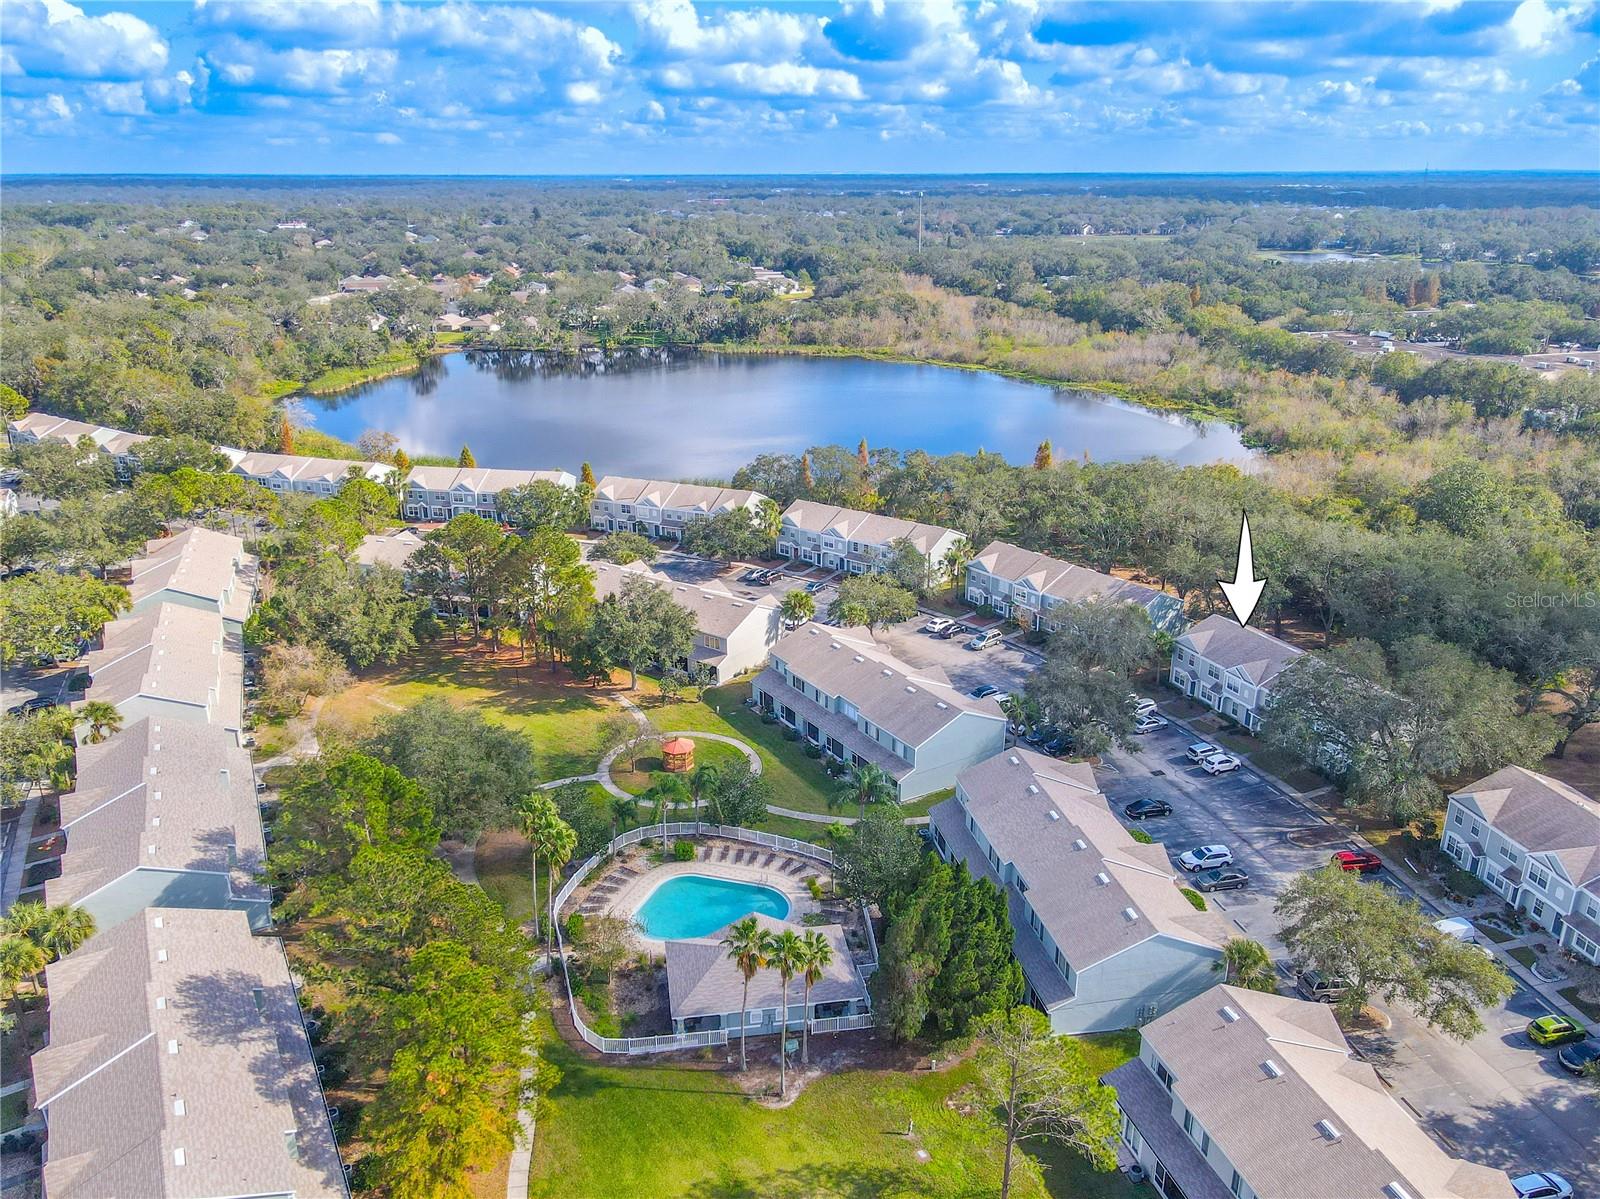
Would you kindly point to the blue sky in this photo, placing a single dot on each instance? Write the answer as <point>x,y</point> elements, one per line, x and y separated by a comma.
<point>672,86</point>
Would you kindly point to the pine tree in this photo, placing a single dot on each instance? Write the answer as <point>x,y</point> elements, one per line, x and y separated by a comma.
<point>861,454</point>
<point>806,481</point>
<point>285,435</point>
<point>1044,457</point>
<point>588,475</point>
<point>465,458</point>
<point>1194,295</point>
<point>402,462</point>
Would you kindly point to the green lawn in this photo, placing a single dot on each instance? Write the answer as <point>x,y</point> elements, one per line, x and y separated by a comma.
<point>1574,996</point>
<point>1525,955</point>
<point>1498,936</point>
<point>564,720</point>
<point>648,766</point>
<point>666,1130</point>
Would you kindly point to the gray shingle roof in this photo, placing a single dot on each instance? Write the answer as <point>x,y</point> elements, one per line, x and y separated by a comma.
<point>1222,640</point>
<point>181,1007</point>
<point>716,610</point>
<point>912,704</point>
<point>664,494</point>
<point>170,652</point>
<point>1066,581</point>
<point>197,562</point>
<point>703,981</point>
<point>388,549</point>
<point>1268,1126</point>
<point>869,527</point>
<point>1084,872</point>
<point>481,478</point>
<point>182,790</point>
<point>301,468</point>
<point>1543,815</point>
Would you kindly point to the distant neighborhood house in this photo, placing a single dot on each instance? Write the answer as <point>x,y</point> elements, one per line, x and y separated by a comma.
<point>116,444</point>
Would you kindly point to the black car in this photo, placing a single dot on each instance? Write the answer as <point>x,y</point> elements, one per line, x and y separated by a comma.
<point>984,692</point>
<point>1576,1056</point>
<point>37,704</point>
<point>1146,809</point>
<point>955,630</point>
<point>1228,878</point>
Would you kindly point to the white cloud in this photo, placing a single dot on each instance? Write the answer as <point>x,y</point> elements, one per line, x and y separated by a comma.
<point>55,39</point>
<point>1538,27</point>
<point>387,139</point>
<point>251,66</point>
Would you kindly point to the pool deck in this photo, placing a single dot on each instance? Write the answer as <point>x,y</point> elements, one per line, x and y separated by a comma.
<point>631,897</point>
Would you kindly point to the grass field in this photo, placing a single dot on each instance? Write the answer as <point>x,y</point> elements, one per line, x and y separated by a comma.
<point>667,1130</point>
<point>647,768</point>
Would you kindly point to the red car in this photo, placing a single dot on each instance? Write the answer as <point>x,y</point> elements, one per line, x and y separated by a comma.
<point>1357,859</point>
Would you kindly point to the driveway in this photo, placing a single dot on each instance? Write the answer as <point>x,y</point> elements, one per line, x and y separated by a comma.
<point>1496,1099</point>
<point>1002,666</point>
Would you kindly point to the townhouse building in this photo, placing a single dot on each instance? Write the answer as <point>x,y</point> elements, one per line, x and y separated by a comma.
<point>115,444</point>
<point>847,695</point>
<point>659,509</point>
<point>297,472</point>
<point>393,548</point>
<point>1105,938</point>
<point>438,493</point>
<point>1029,586</point>
<point>172,662</point>
<point>859,542</point>
<point>1247,1095</point>
<point>197,568</point>
<point>733,634</point>
<point>1229,667</point>
<point>179,1066</point>
<point>162,815</point>
<point>1536,842</point>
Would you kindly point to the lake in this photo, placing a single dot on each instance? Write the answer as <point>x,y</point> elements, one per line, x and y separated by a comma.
<point>705,415</point>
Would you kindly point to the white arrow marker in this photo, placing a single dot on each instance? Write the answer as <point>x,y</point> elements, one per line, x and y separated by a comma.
<point>1245,590</point>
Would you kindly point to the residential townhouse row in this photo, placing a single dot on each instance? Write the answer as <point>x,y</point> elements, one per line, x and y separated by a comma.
<point>1031,586</point>
<point>661,509</point>
<point>860,542</point>
<point>1230,667</point>
<point>859,704</point>
<point>1242,1094</point>
<point>733,634</point>
<point>440,493</point>
<point>1105,938</point>
<point>178,1064</point>
<point>1536,842</point>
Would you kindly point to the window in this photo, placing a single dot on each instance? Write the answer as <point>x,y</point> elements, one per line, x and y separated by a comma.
<point>1455,818</point>
<point>1539,877</point>
<point>1237,1185</point>
<point>1165,1076</point>
<point>1507,854</point>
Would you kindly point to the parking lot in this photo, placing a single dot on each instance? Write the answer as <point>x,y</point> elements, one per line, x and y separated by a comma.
<point>1001,666</point>
<point>1497,1099</point>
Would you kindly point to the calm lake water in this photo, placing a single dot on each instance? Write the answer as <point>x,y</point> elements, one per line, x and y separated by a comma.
<point>703,416</point>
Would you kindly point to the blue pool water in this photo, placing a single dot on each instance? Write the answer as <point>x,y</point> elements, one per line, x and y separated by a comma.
<point>693,905</point>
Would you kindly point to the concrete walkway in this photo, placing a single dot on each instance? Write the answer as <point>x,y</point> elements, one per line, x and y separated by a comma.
<point>603,775</point>
<point>14,852</point>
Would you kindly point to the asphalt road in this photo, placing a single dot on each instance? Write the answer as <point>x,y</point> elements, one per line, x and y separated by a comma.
<point>1496,1099</point>
<point>1001,666</point>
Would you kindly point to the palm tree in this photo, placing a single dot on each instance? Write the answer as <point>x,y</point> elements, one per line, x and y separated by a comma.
<point>865,785</point>
<point>703,785</point>
<point>747,948</point>
<point>769,519</point>
<point>102,718</point>
<point>530,812</point>
<point>20,959</point>
<point>26,919</point>
<point>785,952</point>
<point>798,606</point>
<point>65,928</point>
<point>558,840</point>
<point>667,793</point>
<point>816,957</point>
<point>624,808</point>
<point>1246,963</point>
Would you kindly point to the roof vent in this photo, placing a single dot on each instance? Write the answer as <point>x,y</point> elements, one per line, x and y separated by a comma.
<point>887,672</point>
<point>1033,788</point>
<point>1271,1069</point>
<point>158,922</point>
<point>858,658</point>
<point>1014,760</point>
<point>1080,843</point>
<point>1230,1014</point>
<point>1130,914</point>
<point>177,1107</point>
<point>1102,878</point>
<point>177,1156</point>
<point>161,1003</point>
<point>1054,815</point>
<point>910,690</point>
<point>941,704</point>
<point>1328,1131</point>
<point>1395,1191</point>
<point>172,1046</point>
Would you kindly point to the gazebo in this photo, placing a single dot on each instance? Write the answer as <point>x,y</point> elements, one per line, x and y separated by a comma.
<point>677,755</point>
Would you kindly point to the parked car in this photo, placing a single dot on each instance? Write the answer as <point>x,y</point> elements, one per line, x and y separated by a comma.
<point>1546,1184</point>
<point>816,585</point>
<point>1200,751</point>
<point>1206,857</point>
<point>985,640</point>
<point>1220,764</point>
<point>937,624</point>
<point>984,692</point>
<point>1149,723</point>
<point>1458,929</point>
<point>749,575</point>
<point>1576,1056</point>
<point>1357,859</point>
<point>955,630</point>
<point>1320,988</point>
<point>1147,809</point>
<point>1555,1030</point>
<point>1229,878</point>
<point>37,704</point>
<point>1142,705</point>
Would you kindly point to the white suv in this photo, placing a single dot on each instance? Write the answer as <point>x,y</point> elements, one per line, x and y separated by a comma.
<point>1220,764</point>
<point>1206,857</point>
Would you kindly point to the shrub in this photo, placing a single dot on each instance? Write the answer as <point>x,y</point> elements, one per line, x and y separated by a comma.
<point>1142,837</point>
<point>683,851</point>
<point>574,928</point>
<point>1196,900</point>
<point>1464,883</point>
<point>791,734</point>
<point>769,718</point>
<point>814,885</point>
<point>813,750</point>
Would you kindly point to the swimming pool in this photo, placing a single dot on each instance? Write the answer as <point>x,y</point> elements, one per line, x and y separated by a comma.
<point>695,905</point>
